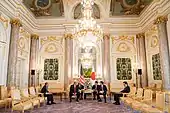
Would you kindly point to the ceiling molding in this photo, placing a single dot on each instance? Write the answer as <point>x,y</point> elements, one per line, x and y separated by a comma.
<point>117,24</point>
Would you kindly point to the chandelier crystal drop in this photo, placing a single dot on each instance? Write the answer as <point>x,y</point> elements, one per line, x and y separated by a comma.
<point>87,25</point>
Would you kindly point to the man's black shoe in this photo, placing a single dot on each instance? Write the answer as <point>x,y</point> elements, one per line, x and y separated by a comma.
<point>117,104</point>
<point>53,103</point>
<point>99,100</point>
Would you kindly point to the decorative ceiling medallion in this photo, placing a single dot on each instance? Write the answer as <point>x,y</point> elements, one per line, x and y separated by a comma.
<point>154,41</point>
<point>21,43</point>
<point>130,3</point>
<point>51,48</point>
<point>123,47</point>
<point>42,4</point>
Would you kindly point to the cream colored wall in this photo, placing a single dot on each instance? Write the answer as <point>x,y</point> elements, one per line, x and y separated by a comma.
<point>122,46</point>
<point>52,47</point>
<point>4,46</point>
<point>22,72</point>
<point>152,48</point>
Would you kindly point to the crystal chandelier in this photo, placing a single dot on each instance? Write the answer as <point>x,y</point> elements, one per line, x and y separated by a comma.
<point>87,26</point>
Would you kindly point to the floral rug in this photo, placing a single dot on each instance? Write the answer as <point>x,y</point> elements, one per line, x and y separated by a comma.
<point>84,106</point>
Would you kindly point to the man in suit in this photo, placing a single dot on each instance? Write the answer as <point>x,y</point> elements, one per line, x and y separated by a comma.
<point>81,88</point>
<point>74,90</point>
<point>102,90</point>
<point>94,88</point>
<point>120,94</point>
<point>47,94</point>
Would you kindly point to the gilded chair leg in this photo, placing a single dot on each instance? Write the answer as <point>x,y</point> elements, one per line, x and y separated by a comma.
<point>22,111</point>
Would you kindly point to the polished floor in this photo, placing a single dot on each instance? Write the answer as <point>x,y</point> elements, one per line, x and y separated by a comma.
<point>84,106</point>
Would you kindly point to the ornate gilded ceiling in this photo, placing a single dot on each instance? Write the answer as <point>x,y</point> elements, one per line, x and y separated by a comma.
<point>128,7</point>
<point>56,8</point>
<point>45,7</point>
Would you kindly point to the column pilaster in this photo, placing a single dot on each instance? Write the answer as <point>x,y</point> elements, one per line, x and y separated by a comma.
<point>142,63</point>
<point>164,50</point>
<point>106,59</point>
<point>33,60</point>
<point>68,60</point>
<point>13,52</point>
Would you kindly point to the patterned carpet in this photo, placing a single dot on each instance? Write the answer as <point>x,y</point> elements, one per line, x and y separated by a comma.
<point>86,106</point>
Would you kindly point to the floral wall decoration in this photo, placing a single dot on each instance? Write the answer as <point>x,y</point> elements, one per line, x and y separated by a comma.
<point>156,66</point>
<point>51,69</point>
<point>124,68</point>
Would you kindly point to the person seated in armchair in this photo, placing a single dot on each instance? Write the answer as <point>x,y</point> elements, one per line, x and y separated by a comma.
<point>94,88</point>
<point>81,90</point>
<point>120,94</point>
<point>74,90</point>
<point>47,94</point>
<point>102,90</point>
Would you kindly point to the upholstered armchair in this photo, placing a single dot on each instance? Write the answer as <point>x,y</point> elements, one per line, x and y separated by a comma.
<point>18,104</point>
<point>160,104</point>
<point>138,96</point>
<point>25,96</point>
<point>38,91</point>
<point>5,100</point>
<point>36,96</point>
<point>146,100</point>
<point>128,95</point>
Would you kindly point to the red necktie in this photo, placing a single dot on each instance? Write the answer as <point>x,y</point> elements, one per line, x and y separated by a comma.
<point>74,89</point>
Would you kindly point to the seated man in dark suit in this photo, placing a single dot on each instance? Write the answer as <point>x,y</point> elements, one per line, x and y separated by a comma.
<point>102,90</point>
<point>74,90</point>
<point>94,88</point>
<point>81,88</point>
<point>120,94</point>
<point>47,94</point>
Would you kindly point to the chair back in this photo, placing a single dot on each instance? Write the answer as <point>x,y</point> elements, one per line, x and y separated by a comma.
<point>3,92</point>
<point>159,86</point>
<point>139,92</point>
<point>38,89</point>
<point>15,95</point>
<point>132,90</point>
<point>160,100</point>
<point>32,91</point>
<point>24,92</point>
<point>148,94</point>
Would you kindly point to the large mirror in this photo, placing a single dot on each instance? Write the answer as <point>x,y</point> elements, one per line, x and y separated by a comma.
<point>87,60</point>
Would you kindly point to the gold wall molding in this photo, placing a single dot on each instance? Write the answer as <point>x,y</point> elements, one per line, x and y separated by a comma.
<point>161,19</point>
<point>140,35</point>
<point>154,41</point>
<point>50,39</point>
<point>51,48</point>
<point>21,43</point>
<point>124,38</point>
<point>123,47</point>
<point>16,22</point>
